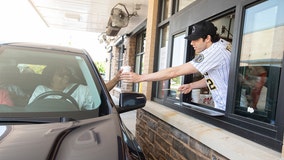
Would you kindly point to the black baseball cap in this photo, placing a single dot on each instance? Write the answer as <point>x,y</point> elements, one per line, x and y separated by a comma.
<point>201,30</point>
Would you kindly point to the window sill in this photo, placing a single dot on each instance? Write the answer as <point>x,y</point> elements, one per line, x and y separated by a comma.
<point>233,146</point>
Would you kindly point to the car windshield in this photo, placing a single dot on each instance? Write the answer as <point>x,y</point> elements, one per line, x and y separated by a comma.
<point>39,80</point>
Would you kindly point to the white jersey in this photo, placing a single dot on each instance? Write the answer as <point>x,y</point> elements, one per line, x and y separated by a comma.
<point>214,64</point>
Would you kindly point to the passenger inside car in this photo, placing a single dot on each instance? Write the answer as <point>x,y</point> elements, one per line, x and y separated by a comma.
<point>60,78</point>
<point>5,98</point>
<point>11,93</point>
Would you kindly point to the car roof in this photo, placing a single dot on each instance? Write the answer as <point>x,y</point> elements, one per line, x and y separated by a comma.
<point>43,46</point>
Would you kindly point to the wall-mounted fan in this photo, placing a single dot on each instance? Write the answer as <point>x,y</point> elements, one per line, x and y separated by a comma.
<point>118,17</point>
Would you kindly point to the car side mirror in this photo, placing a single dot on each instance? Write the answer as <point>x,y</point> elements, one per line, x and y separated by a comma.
<point>131,101</point>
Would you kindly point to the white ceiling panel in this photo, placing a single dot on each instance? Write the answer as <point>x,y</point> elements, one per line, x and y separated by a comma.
<point>87,15</point>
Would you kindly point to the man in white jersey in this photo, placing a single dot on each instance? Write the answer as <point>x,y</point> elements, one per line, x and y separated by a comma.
<point>213,61</point>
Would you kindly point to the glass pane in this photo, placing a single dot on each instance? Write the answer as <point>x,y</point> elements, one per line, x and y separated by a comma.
<point>140,49</point>
<point>141,38</point>
<point>137,70</point>
<point>163,58</point>
<point>141,71</point>
<point>143,42</point>
<point>42,80</point>
<point>138,44</point>
<point>183,3</point>
<point>166,9</point>
<point>260,62</point>
<point>177,59</point>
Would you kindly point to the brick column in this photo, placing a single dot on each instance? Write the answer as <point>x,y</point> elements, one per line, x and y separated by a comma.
<point>129,59</point>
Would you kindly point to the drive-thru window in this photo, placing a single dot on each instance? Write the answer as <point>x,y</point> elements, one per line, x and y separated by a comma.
<point>254,104</point>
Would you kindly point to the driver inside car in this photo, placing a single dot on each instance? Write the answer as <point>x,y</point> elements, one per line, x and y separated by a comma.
<point>60,79</point>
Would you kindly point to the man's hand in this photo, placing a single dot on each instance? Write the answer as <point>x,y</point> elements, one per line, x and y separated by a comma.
<point>186,88</point>
<point>130,77</point>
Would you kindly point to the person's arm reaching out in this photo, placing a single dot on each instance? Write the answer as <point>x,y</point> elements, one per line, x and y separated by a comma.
<point>164,74</point>
<point>113,81</point>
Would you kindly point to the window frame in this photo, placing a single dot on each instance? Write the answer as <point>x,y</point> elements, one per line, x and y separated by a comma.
<point>120,60</point>
<point>263,128</point>
<point>263,133</point>
<point>140,51</point>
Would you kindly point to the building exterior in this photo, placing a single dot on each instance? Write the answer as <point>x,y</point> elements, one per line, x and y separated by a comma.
<point>175,126</point>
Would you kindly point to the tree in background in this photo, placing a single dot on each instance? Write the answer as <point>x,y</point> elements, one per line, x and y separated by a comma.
<point>101,67</point>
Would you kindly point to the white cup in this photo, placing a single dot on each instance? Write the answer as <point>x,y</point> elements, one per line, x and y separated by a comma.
<point>126,69</point>
<point>195,95</point>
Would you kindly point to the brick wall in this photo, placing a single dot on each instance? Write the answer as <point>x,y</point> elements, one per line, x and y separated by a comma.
<point>161,141</point>
<point>128,59</point>
<point>114,67</point>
